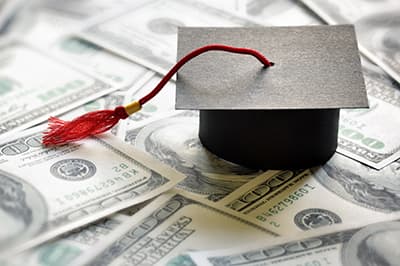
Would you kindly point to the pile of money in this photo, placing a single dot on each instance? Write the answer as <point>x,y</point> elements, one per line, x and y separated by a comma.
<point>148,192</point>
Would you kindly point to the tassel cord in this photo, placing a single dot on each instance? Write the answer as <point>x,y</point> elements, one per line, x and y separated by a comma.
<point>194,53</point>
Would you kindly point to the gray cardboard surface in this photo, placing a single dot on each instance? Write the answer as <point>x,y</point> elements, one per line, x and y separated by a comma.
<point>316,67</point>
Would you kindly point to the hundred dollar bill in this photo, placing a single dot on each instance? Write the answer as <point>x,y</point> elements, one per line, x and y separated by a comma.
<point>374,244</point>
<point>66,249</point>
<point>377,25</point>
<point>146,33</point>
<point>371,135</point>
<point>171,224</point>
<point>342,191</point>
<point>116,70</point>
<point>174,140</point>
<point>47,191</point>
<point>34,86</point>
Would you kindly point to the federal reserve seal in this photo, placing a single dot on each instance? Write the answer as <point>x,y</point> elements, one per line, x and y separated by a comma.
<point>73,169</point>
<point>313,218</point>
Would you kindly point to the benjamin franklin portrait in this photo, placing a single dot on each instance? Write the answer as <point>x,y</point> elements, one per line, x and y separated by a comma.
<point>175,142</point>
<point>360,184</point>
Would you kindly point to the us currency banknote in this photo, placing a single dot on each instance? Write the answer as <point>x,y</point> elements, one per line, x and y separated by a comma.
<point>371,135</point>
<point>373,244</point>
<point>49,191</point>
<point>174,141</point>
<point>342,191</point>
<point>117,71</point>
<point>173,223</point>
<point>34,86</point>
<point>65,250</point>
<point>377,25</point>
<point>146,33</point>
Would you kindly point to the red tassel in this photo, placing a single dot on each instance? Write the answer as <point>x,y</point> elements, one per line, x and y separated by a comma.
<point>60,132</point>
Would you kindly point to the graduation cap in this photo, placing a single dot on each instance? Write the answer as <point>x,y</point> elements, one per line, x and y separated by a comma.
<point>277,116</point>
<point>281,117</point>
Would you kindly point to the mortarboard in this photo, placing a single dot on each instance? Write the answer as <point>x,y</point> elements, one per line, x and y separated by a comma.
<point>280,117</point>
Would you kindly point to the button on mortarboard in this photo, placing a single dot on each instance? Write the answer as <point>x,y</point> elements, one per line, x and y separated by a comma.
<point>285,116</point>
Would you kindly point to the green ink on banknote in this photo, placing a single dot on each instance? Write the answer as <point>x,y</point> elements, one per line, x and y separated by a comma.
<point>359,137</point>
<point>58,254</point>
<point>150,108</point>
<point>7,85</point>
<point>62,90</point>
<point>78,46</point>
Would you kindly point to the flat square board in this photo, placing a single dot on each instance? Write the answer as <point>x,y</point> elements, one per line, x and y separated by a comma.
<point>316,67</point>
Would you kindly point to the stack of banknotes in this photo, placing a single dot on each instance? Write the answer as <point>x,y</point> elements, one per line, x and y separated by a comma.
<point>148,193</point>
